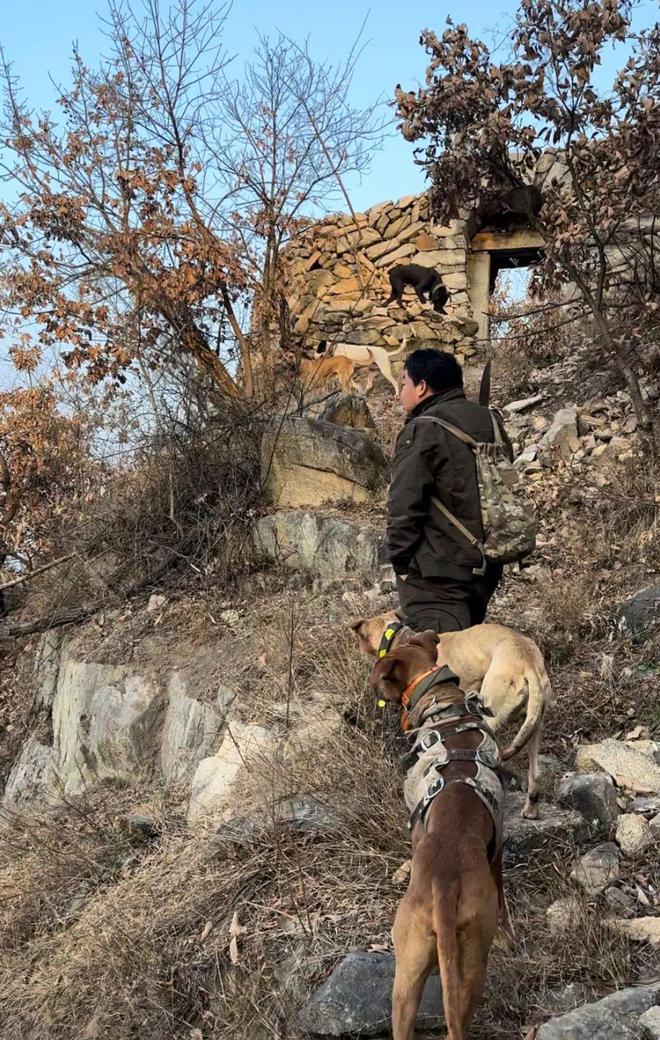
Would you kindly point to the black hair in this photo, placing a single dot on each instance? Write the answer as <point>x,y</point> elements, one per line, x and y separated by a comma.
<point>439,370</point>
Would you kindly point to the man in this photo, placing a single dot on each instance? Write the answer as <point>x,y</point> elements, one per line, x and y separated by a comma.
<point>435,565</point>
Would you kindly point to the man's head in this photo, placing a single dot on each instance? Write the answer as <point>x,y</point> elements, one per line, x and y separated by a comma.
<point>427,372</point>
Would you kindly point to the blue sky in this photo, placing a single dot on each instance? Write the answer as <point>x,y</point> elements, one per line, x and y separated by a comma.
<point>37,36</point>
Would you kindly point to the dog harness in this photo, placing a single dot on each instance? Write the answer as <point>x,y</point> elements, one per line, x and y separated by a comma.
<point>425,781</point>
<point>387,637</point>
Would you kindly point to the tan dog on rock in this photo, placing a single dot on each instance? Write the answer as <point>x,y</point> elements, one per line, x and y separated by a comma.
<point>506,668</point>
<point>450,912</point>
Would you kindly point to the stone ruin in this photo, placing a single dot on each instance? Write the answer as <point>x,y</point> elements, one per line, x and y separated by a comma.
<point>338,279</point>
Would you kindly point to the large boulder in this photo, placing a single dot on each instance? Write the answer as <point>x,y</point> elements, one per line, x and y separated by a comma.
<point>46,667</point>
<point>105,723</point>
<point>639,614</point>
<point>324,547</point>
<point>310,462</point>
<point>356,1000</point>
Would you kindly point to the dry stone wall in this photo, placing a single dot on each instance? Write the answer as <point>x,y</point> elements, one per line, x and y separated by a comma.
<point>338,279</point>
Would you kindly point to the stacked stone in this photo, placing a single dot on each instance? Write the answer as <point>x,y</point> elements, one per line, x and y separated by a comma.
<point>338,279</point>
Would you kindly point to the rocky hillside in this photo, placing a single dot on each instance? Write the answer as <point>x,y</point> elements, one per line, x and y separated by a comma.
<point>203,832</point>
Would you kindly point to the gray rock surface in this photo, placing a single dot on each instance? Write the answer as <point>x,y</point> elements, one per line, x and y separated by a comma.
<point>348,410</point>
<point>525,836</point>
<point>593,795</point>
<point>309,462</point>
<point>47,667</point>
<point>189,732</point>
<point>633,834</point>
<point>356,1000</point>
<point>630,763</point>
<point>105,723</point>
<point>650,1023</point>
<point>324,547</point>
<point>597,868</point>
<point>638,614</point>
<point>31,777</point>
<point>616,1017</point>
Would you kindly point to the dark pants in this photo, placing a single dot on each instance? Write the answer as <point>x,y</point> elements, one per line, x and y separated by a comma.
<point>447,604</point>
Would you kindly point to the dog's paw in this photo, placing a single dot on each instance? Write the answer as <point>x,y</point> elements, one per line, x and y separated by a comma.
<point>530,812</point>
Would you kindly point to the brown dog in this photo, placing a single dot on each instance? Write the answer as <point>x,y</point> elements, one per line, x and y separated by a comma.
<point>312,372</point>
<point>449,914</point>
<point>505,666</point>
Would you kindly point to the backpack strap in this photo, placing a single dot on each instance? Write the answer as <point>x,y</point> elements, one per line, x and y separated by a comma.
<point>448,515</point>
<point>474,542</point>
<point>461,434</point>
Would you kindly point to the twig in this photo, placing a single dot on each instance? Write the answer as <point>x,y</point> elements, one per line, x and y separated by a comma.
<point>37,570</point>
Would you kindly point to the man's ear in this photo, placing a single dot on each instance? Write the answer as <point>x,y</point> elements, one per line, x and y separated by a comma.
<point>428,641</point>
<point>383,679</point>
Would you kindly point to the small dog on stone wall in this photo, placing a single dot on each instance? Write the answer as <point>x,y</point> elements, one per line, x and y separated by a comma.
<point>424,280</point>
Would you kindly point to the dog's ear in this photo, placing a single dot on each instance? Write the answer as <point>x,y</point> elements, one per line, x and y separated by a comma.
<point>385,679</point>
<point>359,626</point>
<point>428,641</point>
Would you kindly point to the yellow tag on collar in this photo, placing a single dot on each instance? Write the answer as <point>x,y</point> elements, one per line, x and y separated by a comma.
<point>381,704</point>
<point>382,653</point>
<point>389,632</point>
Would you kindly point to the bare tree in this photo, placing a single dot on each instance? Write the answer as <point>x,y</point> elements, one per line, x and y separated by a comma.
<point>486,126</point>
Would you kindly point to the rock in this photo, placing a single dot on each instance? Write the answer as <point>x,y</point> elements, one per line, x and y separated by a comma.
<point>551,768</point>
<point>32,776</point>
<point>524,836</point>
<point>310,462</point>
<point>645,806</point>
<point>105,724</point>
<point>654,827</point>
<point>566,999</point>
<point>143,826</point>
<point>597,868</point>
<point>633,834</point>
<point>426,242</point>
<point>156,603</point>
<point>633,1000</point>
<point>348,410</point>
<point>218,776</point>
<point>321,546</point>
<point>593,795</point>
<point>630,764</point>
<point>564,915</point>
<point>521,406</point>
<point>47,667</point>
<point>189,732</point>
<point>650,1023</point>
<point>638,615</point>
<point>640,929</point>
<point>613,1018</point>
<point>356,1000</point>
<point>301,814</point>
<point>562,431</point>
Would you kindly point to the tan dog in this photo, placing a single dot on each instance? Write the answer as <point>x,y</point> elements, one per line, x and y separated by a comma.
<point>506,667</point>
<point>313,372</point>
<point>370,357</point>
<point>450,912</point>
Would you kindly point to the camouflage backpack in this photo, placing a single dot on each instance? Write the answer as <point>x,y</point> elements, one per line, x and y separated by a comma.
<point>506,515</point>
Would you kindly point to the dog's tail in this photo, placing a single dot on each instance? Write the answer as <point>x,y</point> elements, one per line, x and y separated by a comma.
<point>399,350</point>
<point>445,923</point>
<point>537,686</point>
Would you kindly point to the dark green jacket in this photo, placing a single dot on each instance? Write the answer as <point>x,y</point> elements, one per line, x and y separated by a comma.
<point>430,461</point>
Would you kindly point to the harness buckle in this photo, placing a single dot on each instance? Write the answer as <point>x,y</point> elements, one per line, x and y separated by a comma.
<point>428,740</point>
<point>476,706</point>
